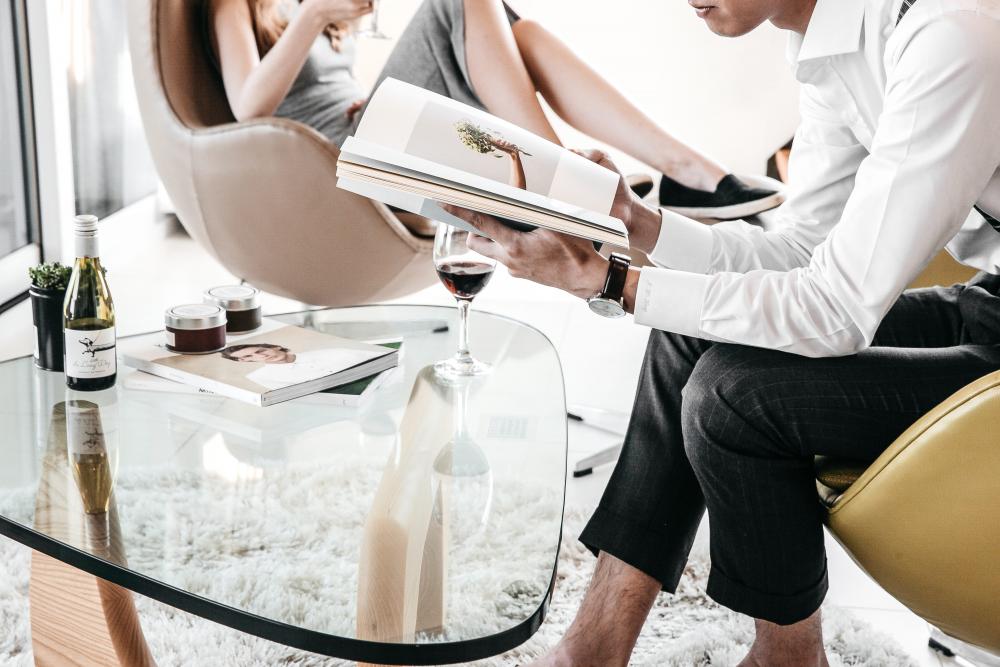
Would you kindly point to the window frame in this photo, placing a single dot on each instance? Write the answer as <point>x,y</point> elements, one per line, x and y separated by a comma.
<point>13,266</point>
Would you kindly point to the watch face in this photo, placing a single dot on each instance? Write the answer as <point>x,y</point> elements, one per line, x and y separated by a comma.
<point>606,307</point>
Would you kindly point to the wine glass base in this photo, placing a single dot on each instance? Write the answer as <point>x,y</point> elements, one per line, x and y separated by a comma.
<point>455,368</point>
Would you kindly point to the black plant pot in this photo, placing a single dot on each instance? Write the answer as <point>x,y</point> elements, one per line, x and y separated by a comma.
<point>47,314</point>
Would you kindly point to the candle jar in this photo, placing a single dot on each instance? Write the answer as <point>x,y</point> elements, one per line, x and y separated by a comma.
<point>242,306</point>
<point>196,328</point>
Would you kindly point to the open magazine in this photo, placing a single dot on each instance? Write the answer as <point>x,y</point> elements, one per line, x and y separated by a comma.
<point>417,150</point>
<point>278,362</point>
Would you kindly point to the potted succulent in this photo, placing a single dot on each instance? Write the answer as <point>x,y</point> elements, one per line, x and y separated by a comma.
<point>48,291</point>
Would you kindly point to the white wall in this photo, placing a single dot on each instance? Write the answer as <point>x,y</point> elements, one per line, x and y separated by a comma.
<point>731,98</point>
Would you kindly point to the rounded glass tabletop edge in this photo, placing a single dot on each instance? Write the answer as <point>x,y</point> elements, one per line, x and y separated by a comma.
<point>334,646</point>
<point>292,636</point>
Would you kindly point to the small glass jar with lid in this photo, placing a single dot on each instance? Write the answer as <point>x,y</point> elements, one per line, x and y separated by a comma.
<point>242,306</point>
<point>197,328</point>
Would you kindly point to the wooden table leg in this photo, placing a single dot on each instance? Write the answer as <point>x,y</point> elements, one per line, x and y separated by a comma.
<point>80,619</point>
<point>77,618</point>
<point>402,568</point>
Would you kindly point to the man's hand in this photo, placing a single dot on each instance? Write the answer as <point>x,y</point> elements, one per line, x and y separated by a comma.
<point>641,220</point>
<point>542,256</point>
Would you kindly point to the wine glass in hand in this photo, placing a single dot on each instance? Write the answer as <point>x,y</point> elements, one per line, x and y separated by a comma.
<point>465,273</point>
<point>373,30</point>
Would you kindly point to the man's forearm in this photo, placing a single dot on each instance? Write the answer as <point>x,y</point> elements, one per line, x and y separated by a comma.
<point>644,227</point>
<point>631,289</point>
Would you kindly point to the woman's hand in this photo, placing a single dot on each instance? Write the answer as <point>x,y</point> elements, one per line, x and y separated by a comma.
<point>542,256</point>
<point>504,146</point>
<point>355,107</point>
<point>326,12</point>
<point>641,220</point>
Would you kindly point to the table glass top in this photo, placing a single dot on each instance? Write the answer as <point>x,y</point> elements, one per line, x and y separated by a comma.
<point>428,516</point>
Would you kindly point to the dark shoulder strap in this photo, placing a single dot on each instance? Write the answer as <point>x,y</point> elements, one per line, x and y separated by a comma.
<point>903,8</point>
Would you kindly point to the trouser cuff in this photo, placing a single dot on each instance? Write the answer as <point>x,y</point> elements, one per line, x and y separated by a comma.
<point>780,609</point>
<point>660,554</point>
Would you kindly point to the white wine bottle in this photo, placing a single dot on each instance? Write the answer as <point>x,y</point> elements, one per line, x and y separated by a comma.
<point>89,316</point>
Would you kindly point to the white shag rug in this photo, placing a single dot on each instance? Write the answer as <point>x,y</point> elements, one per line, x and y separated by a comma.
<point>686,629</point>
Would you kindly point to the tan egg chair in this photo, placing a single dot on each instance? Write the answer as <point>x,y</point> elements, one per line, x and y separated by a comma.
<point>260,195</point>
<point>923,520</point>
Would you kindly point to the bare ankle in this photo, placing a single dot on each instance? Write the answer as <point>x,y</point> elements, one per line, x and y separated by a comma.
<point>696,172</point>
<point>796,645</point>
<point>609,619</point>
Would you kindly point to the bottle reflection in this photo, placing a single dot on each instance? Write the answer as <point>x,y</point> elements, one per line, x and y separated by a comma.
<point>82,445</point>
<point>90,456</point>
<point>462,474</point>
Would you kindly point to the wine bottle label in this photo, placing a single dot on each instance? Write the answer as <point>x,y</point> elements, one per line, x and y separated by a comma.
<point>90,354</point>
<point>84,429</point>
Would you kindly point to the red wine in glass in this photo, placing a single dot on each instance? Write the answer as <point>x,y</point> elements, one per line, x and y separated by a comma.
<point>465,279</point>
<point>465,273</point>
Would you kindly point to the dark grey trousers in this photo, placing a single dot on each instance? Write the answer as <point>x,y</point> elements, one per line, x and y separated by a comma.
<point>734,429</point>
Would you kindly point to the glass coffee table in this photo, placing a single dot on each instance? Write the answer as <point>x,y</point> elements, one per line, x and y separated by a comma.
<point>421,527</point>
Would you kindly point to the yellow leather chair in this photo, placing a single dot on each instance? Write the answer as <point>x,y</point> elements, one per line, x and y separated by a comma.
<point>260,195</point>
<point>923,520</point>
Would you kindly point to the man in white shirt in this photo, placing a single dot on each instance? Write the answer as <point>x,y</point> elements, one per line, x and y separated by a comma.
<point>896,158</point>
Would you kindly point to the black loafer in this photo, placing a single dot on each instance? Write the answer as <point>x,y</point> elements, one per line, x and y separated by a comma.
<point>641,184</point>
<point>732,199</point>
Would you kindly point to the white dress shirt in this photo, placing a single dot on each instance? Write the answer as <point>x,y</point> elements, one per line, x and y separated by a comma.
<point>900,137</point>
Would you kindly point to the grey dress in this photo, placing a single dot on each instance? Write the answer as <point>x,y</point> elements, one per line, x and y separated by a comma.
<point>430,53</point>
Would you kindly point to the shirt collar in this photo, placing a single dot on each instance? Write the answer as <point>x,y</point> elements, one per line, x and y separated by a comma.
<point>834,29</point>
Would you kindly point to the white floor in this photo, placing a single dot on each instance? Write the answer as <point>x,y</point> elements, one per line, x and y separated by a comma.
<point>151,263</point>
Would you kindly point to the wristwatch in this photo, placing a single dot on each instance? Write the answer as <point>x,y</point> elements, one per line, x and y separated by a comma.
<point>610,301</point>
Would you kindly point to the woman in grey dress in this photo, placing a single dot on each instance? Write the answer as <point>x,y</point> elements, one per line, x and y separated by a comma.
<point>295,60</point>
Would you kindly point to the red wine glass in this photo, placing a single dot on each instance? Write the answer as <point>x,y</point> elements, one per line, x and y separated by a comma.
<point>465,273</point>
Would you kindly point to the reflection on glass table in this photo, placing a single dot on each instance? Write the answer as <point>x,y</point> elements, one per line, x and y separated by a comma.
<point>81,446</point>
<point>421,528</point>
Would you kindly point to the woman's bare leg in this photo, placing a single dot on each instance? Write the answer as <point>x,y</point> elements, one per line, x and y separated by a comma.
<point>585,100</point>
<point>499,76</point>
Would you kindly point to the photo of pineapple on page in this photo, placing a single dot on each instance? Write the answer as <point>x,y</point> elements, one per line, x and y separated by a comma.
<point>490,142</point>
<point>485,146</point>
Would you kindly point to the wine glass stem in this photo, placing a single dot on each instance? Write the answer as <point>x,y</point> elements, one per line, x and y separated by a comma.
<point>461,411</point>
<point>463,329</point>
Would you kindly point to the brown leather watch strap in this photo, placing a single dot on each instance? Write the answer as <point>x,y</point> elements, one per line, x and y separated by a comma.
<point>614,284</point>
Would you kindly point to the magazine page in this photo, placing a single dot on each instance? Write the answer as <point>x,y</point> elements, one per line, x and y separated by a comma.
<point>410,120</point>
<point>362,154</point>
<point>408,202</point>
<point>275,357</point>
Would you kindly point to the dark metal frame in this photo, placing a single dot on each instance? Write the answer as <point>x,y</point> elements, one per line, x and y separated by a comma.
<point>289,635</point>
<point>25,98</point>
<point>25,94</point>
<point>301,638</point>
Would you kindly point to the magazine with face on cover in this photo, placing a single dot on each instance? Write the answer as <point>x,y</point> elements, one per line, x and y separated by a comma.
<point>350,395</point>
<point>417,150</point>
<point>276,363</point>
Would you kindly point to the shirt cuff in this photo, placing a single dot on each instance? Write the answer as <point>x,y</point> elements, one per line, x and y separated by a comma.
<point>670,300</point>
<point>683,243</point>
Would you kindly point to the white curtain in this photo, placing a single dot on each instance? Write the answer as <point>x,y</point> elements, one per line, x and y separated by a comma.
<point>112,167</point>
